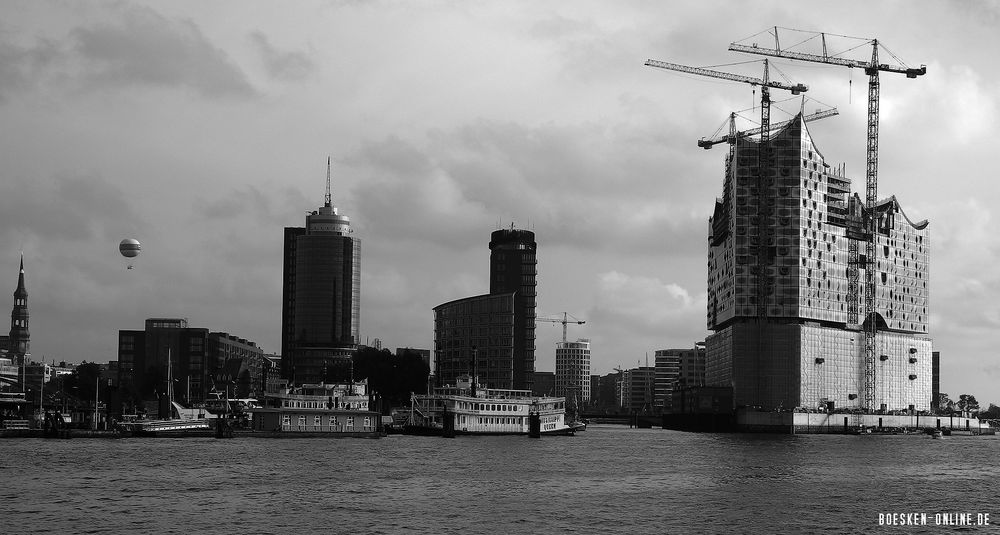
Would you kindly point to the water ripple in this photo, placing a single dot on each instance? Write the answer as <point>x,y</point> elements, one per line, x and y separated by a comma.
<point>609,479</point>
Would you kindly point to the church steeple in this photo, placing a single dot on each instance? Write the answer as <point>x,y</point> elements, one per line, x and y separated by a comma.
<point>19,336</point>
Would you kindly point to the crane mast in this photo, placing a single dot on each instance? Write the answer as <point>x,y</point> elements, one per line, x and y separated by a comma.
<point>872,69</point>
<point>763,259</point>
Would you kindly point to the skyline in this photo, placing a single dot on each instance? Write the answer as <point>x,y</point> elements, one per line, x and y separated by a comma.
<point>202,131</point>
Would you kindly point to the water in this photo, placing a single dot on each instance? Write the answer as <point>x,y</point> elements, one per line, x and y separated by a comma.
<point>609,479</point>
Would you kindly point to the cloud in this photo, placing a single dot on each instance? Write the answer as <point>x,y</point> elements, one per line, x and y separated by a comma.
<point>280,64</point>
<point>146,48</point>
<point>64,209</point>
<point>20,67</point>
<point>581,185</point>
<point>644,312</point>
<point>136,46</point>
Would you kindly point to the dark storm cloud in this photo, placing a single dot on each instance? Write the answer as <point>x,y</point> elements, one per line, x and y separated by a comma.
<point>145,48</point>
<point>69,208</point>
<point>280,64</point>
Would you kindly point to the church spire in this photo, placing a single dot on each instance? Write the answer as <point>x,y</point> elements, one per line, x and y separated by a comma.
<point>19,336</point>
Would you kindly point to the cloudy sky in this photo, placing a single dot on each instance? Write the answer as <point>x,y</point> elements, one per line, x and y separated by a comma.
<point>203,128</point>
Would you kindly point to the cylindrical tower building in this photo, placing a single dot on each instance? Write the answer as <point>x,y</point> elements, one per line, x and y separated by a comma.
<point>321,298</point>
<point>513,270</point>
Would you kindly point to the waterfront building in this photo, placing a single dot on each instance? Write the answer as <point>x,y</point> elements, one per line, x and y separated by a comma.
<point>321,297</point>
<point>572,375</point>
<point>606,395</point>
<point>668,368</point>
<point>595,387</point>
<point>677,369</point>
<point>543,384</point>
<point>475,333</point>
<point>201,362</point>
<point>494,332</point>
<point>784,294</point>
<point>513,270</point>
<point>635,388</point>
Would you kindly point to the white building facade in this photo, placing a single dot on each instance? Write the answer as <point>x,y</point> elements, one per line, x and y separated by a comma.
<point>573,369</point>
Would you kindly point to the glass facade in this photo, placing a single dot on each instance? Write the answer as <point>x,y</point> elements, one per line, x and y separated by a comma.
<point>321,297</point>
<point>783,295</point>
<point>475,332</point>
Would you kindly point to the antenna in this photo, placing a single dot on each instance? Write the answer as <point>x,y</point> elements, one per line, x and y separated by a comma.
<point>328,200</point>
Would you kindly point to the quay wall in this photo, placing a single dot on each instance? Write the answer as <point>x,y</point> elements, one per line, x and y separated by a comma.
<point>820,423</point>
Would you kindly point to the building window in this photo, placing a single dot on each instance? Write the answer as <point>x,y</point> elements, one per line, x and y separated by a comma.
<point>286,420</point>
<point>350,421</point>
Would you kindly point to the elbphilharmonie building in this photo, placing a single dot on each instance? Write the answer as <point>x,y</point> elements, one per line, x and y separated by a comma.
<point>786,275</point>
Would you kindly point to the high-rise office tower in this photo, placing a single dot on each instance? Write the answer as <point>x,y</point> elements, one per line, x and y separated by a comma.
<point>321,297</point>
<point>513,270</point>
<point>784,294</point>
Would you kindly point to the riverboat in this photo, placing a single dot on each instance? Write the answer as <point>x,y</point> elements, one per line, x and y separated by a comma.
<point>316,410</point>
<point>468,409</point>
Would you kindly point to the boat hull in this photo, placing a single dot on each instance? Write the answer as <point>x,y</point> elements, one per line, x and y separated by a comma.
<point>307,434</point>
<point>167,428</point>
<point>437,432</point>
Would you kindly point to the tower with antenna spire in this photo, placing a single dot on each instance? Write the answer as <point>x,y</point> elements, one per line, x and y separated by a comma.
<point>321,296</point>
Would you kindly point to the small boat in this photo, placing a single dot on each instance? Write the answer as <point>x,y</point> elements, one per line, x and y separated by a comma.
<point>469,409</point>
<point>181,421</point>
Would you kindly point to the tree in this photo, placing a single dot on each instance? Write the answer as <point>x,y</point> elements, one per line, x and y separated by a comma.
<point>944,403</point>
<point>393,377</point>
<point>992,413</point>
<point>82,382</point>
<point>967,402</point>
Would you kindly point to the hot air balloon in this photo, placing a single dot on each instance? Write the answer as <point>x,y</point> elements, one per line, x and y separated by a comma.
<point>129,248</point>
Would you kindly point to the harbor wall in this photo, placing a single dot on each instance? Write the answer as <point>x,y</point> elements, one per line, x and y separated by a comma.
<point>840,423</point>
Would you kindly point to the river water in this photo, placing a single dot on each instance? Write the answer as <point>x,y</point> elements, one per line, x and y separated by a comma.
<point>609,479</point>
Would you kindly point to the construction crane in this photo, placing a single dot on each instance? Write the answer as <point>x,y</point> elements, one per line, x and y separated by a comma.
<point>759,270</point>
<point>872,69</point>
<point>564,321</point>
<point>733,135</point>
<point>762,153</point>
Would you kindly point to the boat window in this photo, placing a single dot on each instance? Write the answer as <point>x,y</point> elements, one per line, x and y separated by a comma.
<point>350,421</point>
